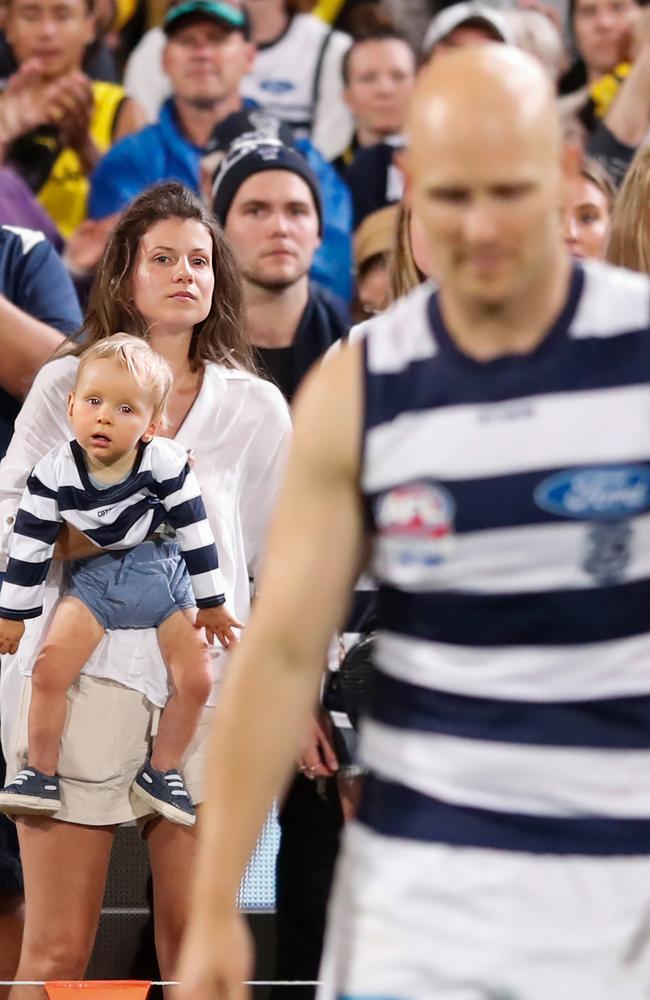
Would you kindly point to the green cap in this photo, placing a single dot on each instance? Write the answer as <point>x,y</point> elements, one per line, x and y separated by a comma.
<point>228,14</point>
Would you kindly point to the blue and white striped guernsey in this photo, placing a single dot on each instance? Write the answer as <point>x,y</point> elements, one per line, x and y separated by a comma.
<point>510,504</point>
<point>161,487</point>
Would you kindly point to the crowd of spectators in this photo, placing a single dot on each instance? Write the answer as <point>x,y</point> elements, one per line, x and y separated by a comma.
<point>287,118</point>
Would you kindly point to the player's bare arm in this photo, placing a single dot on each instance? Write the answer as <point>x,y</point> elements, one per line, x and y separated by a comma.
<point>273,678</point>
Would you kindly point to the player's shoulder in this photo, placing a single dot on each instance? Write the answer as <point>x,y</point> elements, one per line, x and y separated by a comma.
<point>612,301</point>
<point>401,334</point>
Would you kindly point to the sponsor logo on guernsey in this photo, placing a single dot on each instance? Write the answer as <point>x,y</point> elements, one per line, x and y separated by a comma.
<point>605,498</point>
<point>277,86</point>
<point>416,521</point>
<point>598,494</point>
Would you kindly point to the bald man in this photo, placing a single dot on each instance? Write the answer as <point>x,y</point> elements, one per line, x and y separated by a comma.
<point>487,452</point>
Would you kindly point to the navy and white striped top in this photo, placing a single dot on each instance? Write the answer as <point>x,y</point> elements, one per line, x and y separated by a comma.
<point>161,487</point>
<point>510,505</point>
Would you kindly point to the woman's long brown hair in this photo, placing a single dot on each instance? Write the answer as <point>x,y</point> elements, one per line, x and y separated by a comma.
<point>628,244</point>
<point>221,336</point>
<point>404,275</point>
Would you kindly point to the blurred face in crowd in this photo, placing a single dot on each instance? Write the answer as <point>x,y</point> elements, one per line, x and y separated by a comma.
<point>272,226</point>
<point>602,29</point>
<point>585,217</point>
<point>56,32</point>
<point>373,284</point>
<point>381,75</point>
<point>205,63</point>
<point>484,187</point>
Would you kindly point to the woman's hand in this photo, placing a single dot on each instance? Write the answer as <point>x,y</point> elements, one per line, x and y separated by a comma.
<point>71,544</point>
<point>216,958</point>
<point>318,759</point>
<point>11,632</point>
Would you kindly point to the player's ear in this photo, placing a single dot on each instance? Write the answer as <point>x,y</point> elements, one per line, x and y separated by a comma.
<point>70,405</point>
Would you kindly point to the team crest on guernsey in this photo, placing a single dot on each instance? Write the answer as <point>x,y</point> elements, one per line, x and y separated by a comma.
<point>416,522</point>
<point>606,498</point>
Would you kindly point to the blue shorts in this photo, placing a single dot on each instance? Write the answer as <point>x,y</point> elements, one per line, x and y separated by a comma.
<point>138,588</point>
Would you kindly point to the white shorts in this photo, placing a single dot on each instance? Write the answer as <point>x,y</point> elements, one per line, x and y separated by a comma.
<point>109,731</point>
<point>422,921</point>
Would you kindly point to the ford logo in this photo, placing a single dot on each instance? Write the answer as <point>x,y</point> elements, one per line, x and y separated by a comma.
<point>596,494</point>
<point>277,86</point>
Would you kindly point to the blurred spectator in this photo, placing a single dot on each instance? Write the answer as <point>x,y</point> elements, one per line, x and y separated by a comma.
<point>36,300</point>
<point>98,62</point>
<point>252,124</point>
<point>206,55</point>
<point>373,243</point>
<point>54,121</point>
<point>379,75</point>
<point>18,207</point>
<point>538,34</point>
<point>37,306</point>
<point>628,244</point>
<point>626,118</point>
<point>296,74</point>
<point>297,71</point>
<point>587,198</point>
<point>465,24</point>
<point>602,33</point>
<point>206,52</point>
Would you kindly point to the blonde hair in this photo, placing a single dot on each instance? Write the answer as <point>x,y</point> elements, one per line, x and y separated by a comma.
<point>629,230</point>
<point>148,368</point>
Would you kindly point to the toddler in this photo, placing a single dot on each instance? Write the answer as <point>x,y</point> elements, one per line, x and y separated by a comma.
<point>116,482</point>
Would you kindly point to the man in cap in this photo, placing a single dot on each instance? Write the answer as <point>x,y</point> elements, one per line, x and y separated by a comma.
<point>466,24</point>
<point>489,450</point>
<point>206,55</point>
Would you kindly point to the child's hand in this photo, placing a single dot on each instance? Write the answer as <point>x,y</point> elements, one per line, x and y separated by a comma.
<point>11,632</point>
<point>218,624</point>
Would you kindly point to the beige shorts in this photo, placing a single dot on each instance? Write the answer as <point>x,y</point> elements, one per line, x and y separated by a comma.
<point>108,733</point>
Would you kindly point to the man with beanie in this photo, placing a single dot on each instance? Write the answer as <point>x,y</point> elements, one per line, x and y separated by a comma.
<point>267,199</point>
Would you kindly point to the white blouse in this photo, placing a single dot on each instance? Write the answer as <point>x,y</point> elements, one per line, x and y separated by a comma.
<point>239,429</point>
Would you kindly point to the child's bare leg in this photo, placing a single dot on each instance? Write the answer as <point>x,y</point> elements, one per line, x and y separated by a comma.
<point>187,662</point>
<point>73,635</point>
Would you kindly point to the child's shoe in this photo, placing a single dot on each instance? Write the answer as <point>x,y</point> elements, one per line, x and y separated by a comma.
<point>165,792</point>
<point>31,791</point>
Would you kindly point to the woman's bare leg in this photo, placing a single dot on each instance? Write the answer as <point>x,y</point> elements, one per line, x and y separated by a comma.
<point>12,916</point>
<point>172,850</point>
<point>73,635</point>
<point>187,662</point>
<point>64,869</point>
